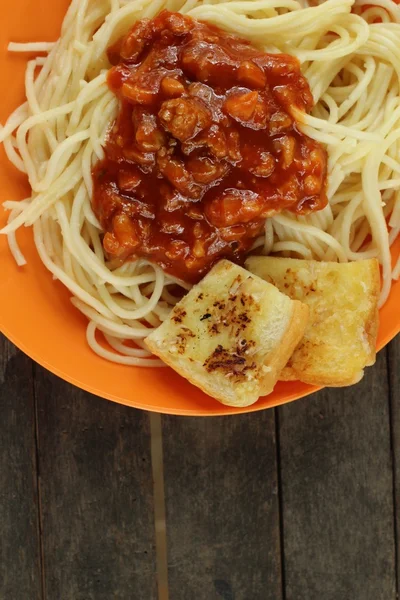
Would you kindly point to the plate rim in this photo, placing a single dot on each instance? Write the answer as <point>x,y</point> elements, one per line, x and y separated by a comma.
<point>228,411</point>
<point>22,23</point>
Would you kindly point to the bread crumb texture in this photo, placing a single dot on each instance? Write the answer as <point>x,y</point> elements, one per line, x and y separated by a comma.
<point>224,334</point>
<point>340,338</point>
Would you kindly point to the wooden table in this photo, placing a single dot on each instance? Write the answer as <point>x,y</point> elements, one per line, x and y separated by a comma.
<point>298,503</point>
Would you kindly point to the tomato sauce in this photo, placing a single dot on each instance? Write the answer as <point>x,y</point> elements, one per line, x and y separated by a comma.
<point>204,147</point>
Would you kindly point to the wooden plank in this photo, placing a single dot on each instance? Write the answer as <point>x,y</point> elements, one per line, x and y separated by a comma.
<point>337,493</point>
<point>97,496</point>
<point>222,508</point>
<point>394,384</point>
<point>20,575</point>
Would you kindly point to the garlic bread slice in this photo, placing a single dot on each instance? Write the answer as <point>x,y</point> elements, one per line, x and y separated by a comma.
<point>231,335</point>
<point>340,339</point>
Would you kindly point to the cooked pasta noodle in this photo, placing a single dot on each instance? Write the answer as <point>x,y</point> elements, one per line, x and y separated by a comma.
<point>349,52</point>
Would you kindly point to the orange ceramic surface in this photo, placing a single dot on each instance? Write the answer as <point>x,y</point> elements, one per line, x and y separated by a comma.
<point>35,311</point>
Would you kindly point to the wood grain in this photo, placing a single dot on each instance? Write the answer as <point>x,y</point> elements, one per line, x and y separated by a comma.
<point>337,493</point>
<point>222,508</point>
<point>97,496</point>
<point>19,523</point>
<point>394,384</point>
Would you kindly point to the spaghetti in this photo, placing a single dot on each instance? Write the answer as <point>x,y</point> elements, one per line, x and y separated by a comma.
<point>349,54</point>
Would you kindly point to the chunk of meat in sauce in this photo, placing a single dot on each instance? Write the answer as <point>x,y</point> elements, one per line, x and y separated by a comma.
<point>184,118</point>
<point>206,170</point>
<point>248,108</point>
<point>176,172</point>
<point>237,206</point>
<point>205,146</point>
<point>250,74</point>
<point>149,137</point>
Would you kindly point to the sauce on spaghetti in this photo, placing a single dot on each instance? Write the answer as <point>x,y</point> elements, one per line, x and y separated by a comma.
<point>204,147</point>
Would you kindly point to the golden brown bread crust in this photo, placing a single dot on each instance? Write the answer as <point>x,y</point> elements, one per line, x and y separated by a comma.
<point>372,322</point>
<point>289,374</point>
<point>231,335</point>
<point>293,337</point>
<point>340,339</point>
<point>182,369</point>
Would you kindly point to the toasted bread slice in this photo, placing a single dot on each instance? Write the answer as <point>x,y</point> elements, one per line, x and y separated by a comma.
<point>231,335</point>
<point>340,338</point>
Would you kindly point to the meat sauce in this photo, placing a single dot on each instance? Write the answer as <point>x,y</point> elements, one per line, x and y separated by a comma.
<point>204,147</point>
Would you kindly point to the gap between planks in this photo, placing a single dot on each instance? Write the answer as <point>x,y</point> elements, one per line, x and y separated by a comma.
<point>157,462</point>
<point>38,485</point>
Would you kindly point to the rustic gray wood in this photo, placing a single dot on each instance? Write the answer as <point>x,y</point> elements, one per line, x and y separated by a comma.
<point>19,517</point>
<point>97,496</point>
<point>337,493</point>
<point>222,508</point>
<point>394,387</point>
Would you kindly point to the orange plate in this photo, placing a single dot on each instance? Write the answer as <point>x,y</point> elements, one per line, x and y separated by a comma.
<point>35,312</point>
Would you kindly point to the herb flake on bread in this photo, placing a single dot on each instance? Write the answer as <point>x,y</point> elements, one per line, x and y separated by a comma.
<point>231,335</point>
